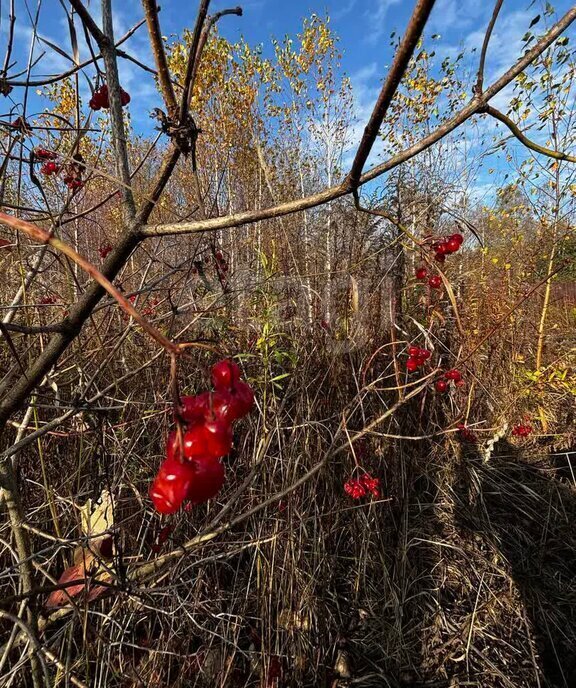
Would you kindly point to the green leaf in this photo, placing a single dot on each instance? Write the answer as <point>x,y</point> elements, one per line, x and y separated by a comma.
<point>280,377</point>
<point>534,21</point>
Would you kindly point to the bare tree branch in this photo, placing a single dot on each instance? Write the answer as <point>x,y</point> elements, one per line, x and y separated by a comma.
<point>473,107</point>
<point>480,78</point>
<point>401,60</point>
<point>500,116</point>
<point>157,44</point>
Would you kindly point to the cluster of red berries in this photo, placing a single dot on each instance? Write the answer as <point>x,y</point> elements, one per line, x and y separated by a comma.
<point>151,308</point>
<point>454,376</point>
<point>43,154</point>
<point>444,247</point>
<point>100,98</point>
<point>358,488</point>
<point>49,168</point>
<point>48,300</point>
<point>221,265</point>
<point>73,183</point>
<point>104,250</point>
<point>521,430</point>
<point>192,468</point>
<point>435,281</point>
<point>416,358</point>
<point>466,435</point>
<point>74,170</point>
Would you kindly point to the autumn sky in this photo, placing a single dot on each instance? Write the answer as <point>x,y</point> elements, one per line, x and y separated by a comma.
<point>364,28</point>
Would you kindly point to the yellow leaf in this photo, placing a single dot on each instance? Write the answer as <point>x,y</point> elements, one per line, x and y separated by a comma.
<point>97,517</point>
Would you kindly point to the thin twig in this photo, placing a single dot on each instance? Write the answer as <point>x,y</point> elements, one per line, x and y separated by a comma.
<point>480,78</point>
<point>500,116</point>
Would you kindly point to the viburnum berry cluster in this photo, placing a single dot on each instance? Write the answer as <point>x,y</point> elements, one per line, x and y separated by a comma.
<point>49,168</point>
<point>442,248</point>
<point>221,265</point>
<point>446,246</point>
<point>48,300</point>
<point>466,435</point>
<point>104,250</point>
<point>192,469</point>
<point>417,357</point>
<point>522,430</point>
<point>452,375</point>
<point>100,99</point>
<point>360,487</point>
<point>435,281</point>
<point>73,170</point>
<point>43,154</point>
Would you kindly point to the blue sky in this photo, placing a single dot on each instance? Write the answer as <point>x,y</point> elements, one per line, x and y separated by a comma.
<point>364,27</point>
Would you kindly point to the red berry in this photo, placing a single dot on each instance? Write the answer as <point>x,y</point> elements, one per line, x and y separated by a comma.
<point>43,154</point>
<point>195,442</point>
<point>453,374</point>
<point>457,237</point>
<point>412,364</point>
<point>222,406</point>
<point>49,168</point>
<point>48,300</point>
<point>453,245</point>
<point>210,438</point>
<point>440,258</point>
<point>435,281</point>
<point>207,481</point>
<point>442,248</point>
<point>124,97</point>
<point>371,484</point>
<point>104,250</point>
<point>171,485</point>
<point>466,435</point>
<point>421,273</point>
<point>225,374</point>
<point>522,430</point>
<point>195,408</point>
<point>441,385</point>
<point>414,351</point>
<point>242,400</point>
<point>424,354</point>
<point>218,255</point>
<point>354,488</point>
<point>218,436</point>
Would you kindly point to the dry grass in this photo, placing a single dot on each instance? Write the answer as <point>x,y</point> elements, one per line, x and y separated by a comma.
<point>462,574</point>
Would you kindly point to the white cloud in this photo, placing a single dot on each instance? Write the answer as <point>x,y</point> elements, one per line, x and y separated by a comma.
<point>377,19</point>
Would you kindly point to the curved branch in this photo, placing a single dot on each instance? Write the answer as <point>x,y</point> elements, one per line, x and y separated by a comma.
<point>474,107</point>
<point>45,237</point>
<point>501,117</point>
